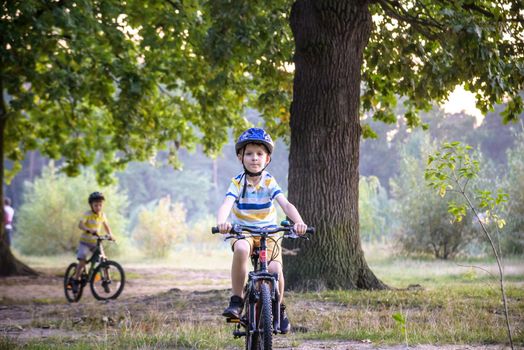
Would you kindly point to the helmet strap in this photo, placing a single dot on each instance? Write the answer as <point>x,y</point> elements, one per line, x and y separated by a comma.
<point>250,174</point>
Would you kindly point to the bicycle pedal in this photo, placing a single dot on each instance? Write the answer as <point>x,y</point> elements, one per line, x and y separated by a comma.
<point>238,334</point>
<point>232,320</point>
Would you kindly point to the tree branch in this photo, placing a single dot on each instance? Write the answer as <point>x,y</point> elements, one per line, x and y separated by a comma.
<point>423,26</point>
<point>482,11</point>
<point>174,5</point>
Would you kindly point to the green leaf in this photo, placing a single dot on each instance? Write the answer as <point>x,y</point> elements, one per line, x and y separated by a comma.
<point>368,132</point>
<point>399,318</point>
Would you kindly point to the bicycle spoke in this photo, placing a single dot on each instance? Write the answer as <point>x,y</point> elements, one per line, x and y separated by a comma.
<point>108,281</point>
<point>68,284</point>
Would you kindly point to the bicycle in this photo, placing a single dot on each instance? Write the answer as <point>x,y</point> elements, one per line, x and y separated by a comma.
<point>106,277</point>
<point>261,315</point>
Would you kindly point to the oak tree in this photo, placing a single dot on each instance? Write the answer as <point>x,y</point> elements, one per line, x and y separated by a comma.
<point>150,73</point>
<point>351,59</point>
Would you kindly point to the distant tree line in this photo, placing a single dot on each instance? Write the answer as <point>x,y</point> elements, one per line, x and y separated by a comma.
<point>395,204</point>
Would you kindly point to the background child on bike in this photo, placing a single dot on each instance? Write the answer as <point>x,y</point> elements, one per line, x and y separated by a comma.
<point>91,224</point>
<point>249,202</point>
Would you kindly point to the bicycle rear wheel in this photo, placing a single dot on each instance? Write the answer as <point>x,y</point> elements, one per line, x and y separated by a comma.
<point>107,281</point>
<point>68,288</point>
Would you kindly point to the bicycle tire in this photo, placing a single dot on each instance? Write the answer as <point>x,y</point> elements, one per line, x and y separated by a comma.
<point>68,291</point>
<point>265,322</point>
<point>117,280</point>
<point>252,338</point>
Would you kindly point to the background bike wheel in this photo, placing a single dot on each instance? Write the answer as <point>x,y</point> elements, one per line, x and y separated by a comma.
<point>116,277</point>
<point>265,322</point>
<point>70,296</point>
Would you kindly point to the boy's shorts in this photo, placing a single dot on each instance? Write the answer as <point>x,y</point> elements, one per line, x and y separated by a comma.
<point>274,248</point>
<point>84,250</point>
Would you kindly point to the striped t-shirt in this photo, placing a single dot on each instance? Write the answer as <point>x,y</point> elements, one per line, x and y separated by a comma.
<point>92,221</point>
<point>256,207</point>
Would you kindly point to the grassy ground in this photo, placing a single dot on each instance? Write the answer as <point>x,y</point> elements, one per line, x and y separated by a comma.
<point>434,302</point>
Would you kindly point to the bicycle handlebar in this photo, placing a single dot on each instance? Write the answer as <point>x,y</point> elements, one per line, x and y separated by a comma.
<point>238,229</point>
<point>101,238</point>
<point>105,238</point>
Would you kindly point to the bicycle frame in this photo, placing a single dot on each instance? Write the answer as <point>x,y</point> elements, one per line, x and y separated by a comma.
<point>260,275</point>
<point>98,256</point>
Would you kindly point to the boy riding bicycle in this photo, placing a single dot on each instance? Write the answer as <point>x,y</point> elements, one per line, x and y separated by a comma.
<point>249,202</point>
<point>90,224</point>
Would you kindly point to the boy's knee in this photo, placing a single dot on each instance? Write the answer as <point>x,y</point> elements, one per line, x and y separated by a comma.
<point>275,267</point>
<point>241,248</point>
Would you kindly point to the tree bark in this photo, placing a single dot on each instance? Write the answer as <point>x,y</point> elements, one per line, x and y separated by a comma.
<point>9,265</point>
<point>330,37</point>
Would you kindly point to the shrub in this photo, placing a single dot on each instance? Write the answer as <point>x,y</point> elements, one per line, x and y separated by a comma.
<point>200,236</point>
<point>512,237</point>
<point>158,229</point>
<point>376,217</point>
<point>426,227</point>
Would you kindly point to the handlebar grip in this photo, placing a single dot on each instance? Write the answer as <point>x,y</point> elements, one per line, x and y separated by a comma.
<point>310,230</point>
<point>214,230</point>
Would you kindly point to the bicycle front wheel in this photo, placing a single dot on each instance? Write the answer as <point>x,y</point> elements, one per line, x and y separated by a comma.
<point>107,281</point>
<point>68,286</point>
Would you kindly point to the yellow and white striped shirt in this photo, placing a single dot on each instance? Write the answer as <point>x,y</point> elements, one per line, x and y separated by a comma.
<point>92,221</point>
<point>256,208</point>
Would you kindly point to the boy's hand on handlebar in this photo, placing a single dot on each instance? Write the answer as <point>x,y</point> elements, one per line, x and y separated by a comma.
<point>300,228</point>
<point>224,227</point>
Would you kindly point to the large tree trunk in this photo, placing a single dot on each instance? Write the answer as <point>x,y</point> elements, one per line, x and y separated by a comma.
<point>9,265</point>
<point>330,37</point>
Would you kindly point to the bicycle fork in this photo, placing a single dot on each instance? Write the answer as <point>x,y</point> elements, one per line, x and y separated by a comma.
<point>252,297</point>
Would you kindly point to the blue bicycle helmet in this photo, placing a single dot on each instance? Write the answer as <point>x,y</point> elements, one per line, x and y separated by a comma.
<point>254,135</point>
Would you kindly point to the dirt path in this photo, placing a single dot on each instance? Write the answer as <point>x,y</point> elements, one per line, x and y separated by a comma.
<point>35,308</point>
<point>47,288</point>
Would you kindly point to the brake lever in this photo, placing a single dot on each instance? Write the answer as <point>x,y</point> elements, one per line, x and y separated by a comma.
<point>235,230</point>
<point>294,235</point>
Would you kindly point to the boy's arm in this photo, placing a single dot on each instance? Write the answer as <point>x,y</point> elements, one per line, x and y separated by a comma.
<point>223,214</point>
<point>84,228</point>
<point>108,230</point>
<point>292,213</point>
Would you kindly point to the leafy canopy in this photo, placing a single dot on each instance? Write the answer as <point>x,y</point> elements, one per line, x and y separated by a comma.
<point>78,86</point>
<point>423,49</point>
<point>106,82</point>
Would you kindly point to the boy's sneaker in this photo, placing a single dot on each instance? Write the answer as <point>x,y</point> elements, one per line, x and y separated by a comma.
<point>105,285</point>
<point>235,307</point>
<point>75,284</point>
<point>285,326</point>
